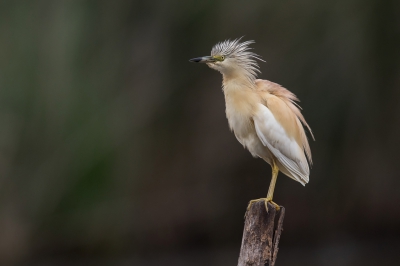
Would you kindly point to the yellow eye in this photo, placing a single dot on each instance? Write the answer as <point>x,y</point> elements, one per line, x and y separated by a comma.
<point>219,58</point>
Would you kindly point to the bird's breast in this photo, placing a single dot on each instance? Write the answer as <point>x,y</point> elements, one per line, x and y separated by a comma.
<point>240,105</point>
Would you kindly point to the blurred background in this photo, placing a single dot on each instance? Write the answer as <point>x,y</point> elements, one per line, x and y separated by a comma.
<point>115,150</point>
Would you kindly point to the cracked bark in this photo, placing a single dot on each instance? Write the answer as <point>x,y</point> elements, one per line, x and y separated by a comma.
<point>261,235</point>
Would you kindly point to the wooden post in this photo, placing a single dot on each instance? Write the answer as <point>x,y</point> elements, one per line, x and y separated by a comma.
<point>261,235</point>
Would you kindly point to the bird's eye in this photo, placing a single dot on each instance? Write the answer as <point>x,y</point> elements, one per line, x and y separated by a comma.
<point>222,57</point>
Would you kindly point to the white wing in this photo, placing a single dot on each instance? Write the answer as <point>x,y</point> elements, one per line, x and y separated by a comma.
<point>273,135</point>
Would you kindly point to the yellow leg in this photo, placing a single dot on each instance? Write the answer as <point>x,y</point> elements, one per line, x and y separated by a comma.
<point>275,171</point>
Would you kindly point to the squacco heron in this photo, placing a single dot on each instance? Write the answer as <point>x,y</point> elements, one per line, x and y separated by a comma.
<point>263,115</point>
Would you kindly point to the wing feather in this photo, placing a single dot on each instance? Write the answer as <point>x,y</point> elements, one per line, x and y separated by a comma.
<point>290,100</point>
<point>284,147</point>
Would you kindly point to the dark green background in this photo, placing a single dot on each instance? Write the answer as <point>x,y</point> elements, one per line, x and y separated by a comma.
<point>115,150</point>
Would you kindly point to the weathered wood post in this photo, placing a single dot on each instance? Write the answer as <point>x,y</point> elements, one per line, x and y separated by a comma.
<point>261,234</point>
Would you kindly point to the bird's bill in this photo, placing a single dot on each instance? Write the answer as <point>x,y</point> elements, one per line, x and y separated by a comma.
<point>204,59</point>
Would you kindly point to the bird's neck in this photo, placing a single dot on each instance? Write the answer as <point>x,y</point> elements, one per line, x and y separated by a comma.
<point>237,81</point>
<point>236,77</point>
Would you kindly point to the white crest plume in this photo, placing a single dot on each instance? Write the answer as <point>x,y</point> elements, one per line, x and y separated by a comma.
<point>239,51</point>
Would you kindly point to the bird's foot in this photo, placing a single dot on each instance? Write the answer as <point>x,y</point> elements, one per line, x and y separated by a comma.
<point>277,207</point>
<point>254,201</point>
<point>266,200</point>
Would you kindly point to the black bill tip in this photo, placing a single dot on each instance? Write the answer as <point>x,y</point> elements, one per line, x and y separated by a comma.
<point>196,60</point>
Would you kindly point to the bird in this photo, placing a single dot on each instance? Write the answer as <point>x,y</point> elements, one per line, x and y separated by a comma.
<point>264,116</point>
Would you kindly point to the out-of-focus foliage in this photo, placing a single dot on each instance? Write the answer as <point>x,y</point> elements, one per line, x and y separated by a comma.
<point>113,147</point>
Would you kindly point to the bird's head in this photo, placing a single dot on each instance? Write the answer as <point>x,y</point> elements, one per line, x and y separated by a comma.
<point>232,58</point>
